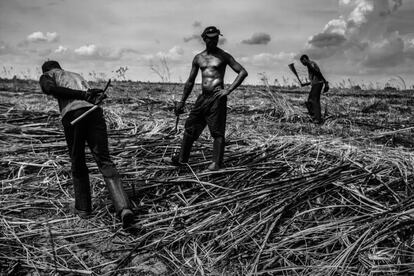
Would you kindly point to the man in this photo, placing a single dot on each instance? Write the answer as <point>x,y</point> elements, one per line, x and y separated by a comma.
<point>75,97</point>
<point>317,81</point>
<point>211,106</point>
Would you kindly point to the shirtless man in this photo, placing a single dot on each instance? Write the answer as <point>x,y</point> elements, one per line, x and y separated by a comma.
<point>317,82</point>
<point>211,106</point>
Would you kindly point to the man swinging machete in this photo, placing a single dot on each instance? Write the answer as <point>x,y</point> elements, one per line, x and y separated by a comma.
<point>211,106</point>
<point>75,98</point>
<point>317,82</point>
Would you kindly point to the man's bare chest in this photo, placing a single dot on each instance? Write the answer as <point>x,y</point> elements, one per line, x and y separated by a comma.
<point>210,61</point>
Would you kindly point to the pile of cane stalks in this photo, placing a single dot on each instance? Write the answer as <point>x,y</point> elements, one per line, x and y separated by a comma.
<point>284,205</point>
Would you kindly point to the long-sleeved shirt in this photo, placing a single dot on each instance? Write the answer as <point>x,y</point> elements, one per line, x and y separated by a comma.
<point>67,87</point>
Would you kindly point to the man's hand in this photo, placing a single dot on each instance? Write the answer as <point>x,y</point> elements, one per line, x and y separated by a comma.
<point>326,88</point>
<point>179,108</point>
<point>94,96</point>
<point>305,84</point>
<point>221,92</point>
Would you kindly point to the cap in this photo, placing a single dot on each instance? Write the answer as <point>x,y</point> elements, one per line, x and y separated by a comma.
<point>211,32</point>
<point>49,65</point>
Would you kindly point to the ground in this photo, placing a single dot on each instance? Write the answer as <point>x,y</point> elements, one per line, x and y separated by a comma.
<point>295,198</point>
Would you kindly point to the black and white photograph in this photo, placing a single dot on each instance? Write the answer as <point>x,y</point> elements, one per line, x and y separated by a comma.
<point>206,137</point>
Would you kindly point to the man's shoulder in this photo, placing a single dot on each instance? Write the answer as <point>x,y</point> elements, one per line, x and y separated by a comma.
<point>198,56</point>
<point>313,63</point>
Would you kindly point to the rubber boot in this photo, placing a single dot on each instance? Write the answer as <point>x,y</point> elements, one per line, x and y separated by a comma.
<point>83,201</point>
<point>120,200</point>
<point>218,153</point>
<point>184,156</point>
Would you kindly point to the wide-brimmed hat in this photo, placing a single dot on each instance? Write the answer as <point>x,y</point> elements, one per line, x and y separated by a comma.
<point>211,31</point>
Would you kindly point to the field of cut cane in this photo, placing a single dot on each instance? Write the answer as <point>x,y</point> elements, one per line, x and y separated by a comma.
<point>294,198</point>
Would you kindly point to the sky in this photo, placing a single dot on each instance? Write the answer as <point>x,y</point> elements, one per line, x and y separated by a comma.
<point>353,41</point>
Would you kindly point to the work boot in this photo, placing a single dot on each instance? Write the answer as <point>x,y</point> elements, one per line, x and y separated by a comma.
<point>120,200</point>
<point>184,156</point>
<point>83,201</point>
<point>218,153</point>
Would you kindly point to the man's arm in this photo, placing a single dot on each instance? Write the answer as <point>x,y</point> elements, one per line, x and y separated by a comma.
<point>189,84</point>
<point>49,87</point>
<point>188,87</point>
<point>241,75</point>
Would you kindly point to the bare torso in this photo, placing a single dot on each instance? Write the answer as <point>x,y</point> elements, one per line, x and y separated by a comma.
<point>213,68</point>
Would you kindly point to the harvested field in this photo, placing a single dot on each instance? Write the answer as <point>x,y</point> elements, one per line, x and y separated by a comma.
<point>294,198</point>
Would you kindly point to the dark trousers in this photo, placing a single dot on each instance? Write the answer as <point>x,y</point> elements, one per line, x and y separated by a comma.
<point>208,110</point>
<point>91,129</point>
<point>314,102</point>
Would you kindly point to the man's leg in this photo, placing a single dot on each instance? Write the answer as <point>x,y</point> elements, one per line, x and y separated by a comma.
<point>314,103</point>
<point>216,121</point>
<point>97,139</point>
<point>194,126</point>
<point>75,139</point>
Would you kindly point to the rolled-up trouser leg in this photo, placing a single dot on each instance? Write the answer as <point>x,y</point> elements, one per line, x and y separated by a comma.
<point>117,193</point>
<point>83,201</point>
<point>218,153</point>
<point>194,126</point>
<point>216,121</point>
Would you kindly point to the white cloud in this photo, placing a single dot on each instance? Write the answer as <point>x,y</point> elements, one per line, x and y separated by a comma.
<point>61,49</point>
<point>175,53</point>
<point>267,59</point>
<point>361,33</point>
<point>95,52</point>
<point>258,39</point>
<point>87,50</point>
<point>41,37</point>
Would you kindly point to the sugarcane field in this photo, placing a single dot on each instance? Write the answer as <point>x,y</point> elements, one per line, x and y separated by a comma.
<point>207,138</point>
<point>293,198</point>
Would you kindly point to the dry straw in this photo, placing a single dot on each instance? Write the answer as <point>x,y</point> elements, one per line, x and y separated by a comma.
<point>287,205</point>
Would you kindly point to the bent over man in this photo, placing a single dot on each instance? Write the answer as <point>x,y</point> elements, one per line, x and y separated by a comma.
<point>211,106</point>
<point>75,97</point>
<point>317,81</point>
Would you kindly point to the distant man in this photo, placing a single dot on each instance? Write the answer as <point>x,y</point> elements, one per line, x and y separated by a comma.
<point>317,81</point>
<point>211,106</point>
<point>75,97</point>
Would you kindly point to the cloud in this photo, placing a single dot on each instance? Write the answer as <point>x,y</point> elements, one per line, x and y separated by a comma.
<point>61,49</point>
<point>326,40</point>
<point>92,51</point>
<point>258,39</point>
<point>361,35</point>
<point>87,50</point>
<point>409,48</point>
<point>386,53</point>
<point>195,37</point>
<point>267,59</point>
<point>175,54</point>
<point>41,37</point>
<point>6,49</point>
<point>197,24</point>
